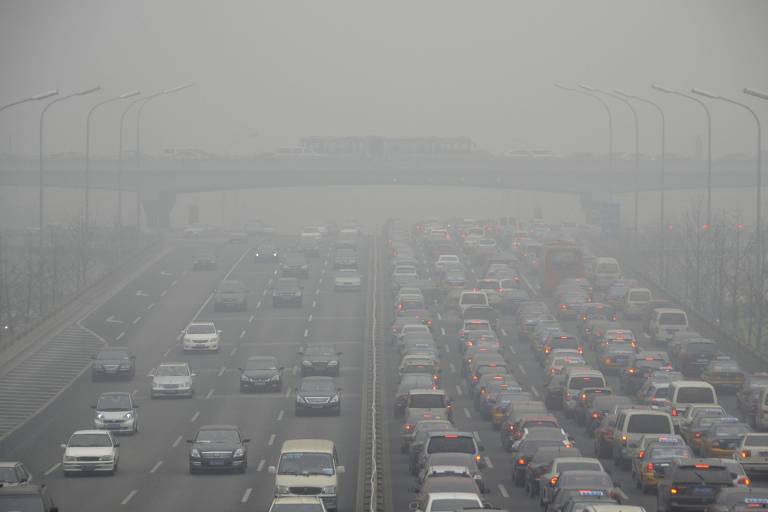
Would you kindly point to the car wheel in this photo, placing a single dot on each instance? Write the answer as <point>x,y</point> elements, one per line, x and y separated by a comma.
<point>403,448</point>
<point>192,470</point>
<point>338,412</point>
<point>298,412</point>
<point>94,376</point>
<point>243,468</point>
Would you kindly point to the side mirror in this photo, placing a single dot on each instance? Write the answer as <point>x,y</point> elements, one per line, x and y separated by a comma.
<point>193,375</point>
<point>481,447</point>
<point>241,369</point>
<point>338,389</point>
<point>218,332</point>
<point>339,353</point>
<point>415,488</point>
<point>117,444</point>
<point>190,441</point>
<point>246,440</point>
<point>281,368</point>
<point>63,446</point>
<point>271,470</point>
<point>93,357</point>
<point>133,357</point>
<point>341,470</point>
<point>135,406</point>
<point>301,350</point>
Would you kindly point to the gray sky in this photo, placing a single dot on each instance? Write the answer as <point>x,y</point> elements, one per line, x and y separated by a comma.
<point>268,72</point>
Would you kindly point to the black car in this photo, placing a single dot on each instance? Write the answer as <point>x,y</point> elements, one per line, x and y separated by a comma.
<point>261,373</point>
<point>27,497</point>
<point>740,498</point>
<point>692,483</point>
<point>218,448</point>
<point>318,395</point>
<point>266,254</point>
<point>113,362</point>
<point>287,292</point>
<point>295,265</point>
<point>206,262</point>
<point>319,359</point>
<point>230,294</point>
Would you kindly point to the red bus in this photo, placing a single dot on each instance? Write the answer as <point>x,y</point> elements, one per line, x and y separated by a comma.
<point>559,261</point>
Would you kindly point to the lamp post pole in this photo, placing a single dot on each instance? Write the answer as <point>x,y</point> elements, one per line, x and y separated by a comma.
<point>607,111</point>
<point>36,97</point>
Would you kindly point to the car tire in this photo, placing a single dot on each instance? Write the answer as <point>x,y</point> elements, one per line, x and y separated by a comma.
<point>298,412</point>
<point>338,412</point>
<point>192,471</point>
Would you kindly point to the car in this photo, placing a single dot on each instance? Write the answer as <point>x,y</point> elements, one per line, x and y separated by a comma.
<point>287,292</point>
<point>320,359</point>
<point>318,395</point>
<point>447,464</point>
<point>90,451</point>
<point>541,463</point>
<point>14,474</point>
<point>582,480</point>
<point>261,373</point>
<point>691,484</point>
<point>695,430</point>
<point>297,504</point>
<point>27,497</point>
<point>308,467</point>
<point>723,372</point>
<point>752,453</point>
<point>650,464</point>
<point>722,439</point>
<point>740,499</point>
<point>117,412</point>
<point>172,379</point>
<point>201,337</point>
<point>428,401</point>
<point>218,448</point>
<point>561,465</point>
<point>347,279</point>
<point>113,362</point>
<point>745,394</point>
<point>407,383</point>
<point>230,294</point>
<point>266,253</point>
<point>295,265</point>
<point>204,262</point>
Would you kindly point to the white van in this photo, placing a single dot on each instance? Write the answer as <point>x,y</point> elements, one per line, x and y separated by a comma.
<point>636,301</point>
<point>634,424</point>
<point>472,298</point>
<point>761,413</point>
<point>684,393</point>
<point>605,271</point>
<point>665,322</point>
<point>306,464</point>
<point>576,379</point>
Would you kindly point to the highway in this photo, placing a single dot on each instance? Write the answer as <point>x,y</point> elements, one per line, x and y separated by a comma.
<point>147,316</point>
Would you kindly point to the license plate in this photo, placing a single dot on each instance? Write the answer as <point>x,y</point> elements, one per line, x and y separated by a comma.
<point>216,462</point>
<point>702,491</point>
<point>317,406</point>
<point>763,454</point>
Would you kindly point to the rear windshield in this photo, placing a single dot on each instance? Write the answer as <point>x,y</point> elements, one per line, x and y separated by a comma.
<point>671,452</point>
<point>446,505</point>
<point>586,382</point>
<point>673,319</point>
<point>452,444</point>
<point>607,268</point>
<point>427,401</point>
<point>661,392</point>
<point>649,424</point>
<point>695,396</point>
<point>578,466</point>
<point>701,347</point>
<point>474,298</point>
<point>756,440</point>
<point>639,295</point>
<point>718,475</point>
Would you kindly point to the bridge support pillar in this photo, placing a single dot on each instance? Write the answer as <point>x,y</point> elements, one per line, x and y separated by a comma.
<point>157,208</point>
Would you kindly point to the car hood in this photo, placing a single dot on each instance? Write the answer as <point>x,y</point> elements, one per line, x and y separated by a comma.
<point>317,394</point>
<point>112,362</point>
<point>172,379</point>
<point>348,278</point>
<point>199,337</point>
<point>216,447</point>
<point>305,481</point>
<point>113,415</point>
<point>260,373</point>
<point>88,451</point>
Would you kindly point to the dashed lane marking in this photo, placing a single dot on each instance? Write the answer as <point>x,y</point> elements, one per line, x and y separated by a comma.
<point>442,331</point>
<point>210,394</point>
<point>512,350</point>
<point>174,282</point>
<point>317,292</point>
<point>503,332</point>
<point>120,336</point>
<point>264,293</point>
<point>156,466</point>
<point>167,352</point>
<point>453,368</point>
<point>310,318</point>
<point>503,491</point>
<point>177,441</point>
<point>150,306</point>
<point>467,413</point>
<point>163,293</point>
<point>136,320</point>
<point>535,391</point>
<point>258,305</point>
<point>223,369</point>
<point>295,370</point>
<point>250,320</point>
<point>242,334</point>
<point>232,352</point>
<point>488,462</point>
<point>458,390</point>
<point>280,415</point>
<point>52,469</point>
<point>271,440</point>
<point>261,465</point>
<point>522,369</point>
<point>447,349</point>
<point>246,495</point>
<point>129,497</point>
<point>439,316</point>
<point>194,417</point>
<point>306,332</point>
<point>288,392</point>
<point>314,304</point>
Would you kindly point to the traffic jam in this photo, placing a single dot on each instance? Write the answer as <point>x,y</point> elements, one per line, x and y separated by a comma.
<point>528,372</point>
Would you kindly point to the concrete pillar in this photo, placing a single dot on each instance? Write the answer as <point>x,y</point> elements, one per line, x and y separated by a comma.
<point>158,207</point>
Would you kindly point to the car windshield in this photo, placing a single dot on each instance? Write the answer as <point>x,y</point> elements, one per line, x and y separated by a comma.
<point>562,467</point>
<point>176,370</point>
<point>217,436</point>
<point>447,505</point>
<point>261,364</point>
<point>112,354</point>
<point>318,350</point>
<point>89,440</point>
<point>201,329</point>
<point>305,464</point>
<point>8,474</point>
<point>21,503</point>
<point>114,403</point>
<point>424,401</point>
<point>317,386</point>
<point>756,440</point>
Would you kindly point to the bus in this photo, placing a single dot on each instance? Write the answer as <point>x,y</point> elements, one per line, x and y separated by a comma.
<point>559,260</point>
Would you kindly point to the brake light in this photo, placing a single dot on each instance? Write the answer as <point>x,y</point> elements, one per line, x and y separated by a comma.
<point>477,458</point>
<point>674,412</point>
<point>624,438</point>
<point>745,481</point>
<point>429,322</point>
<point>451,436</point>
<point>641,454</point>
<point>553,481</point>
<point>649,467</point>
<point>673,490</point>
<point>521,461</point>
<point>511,428</point>
<point>581,349</point>
<point>745,454</point>
<point>595,415</point>
<point>408,427</point>
<point>547,349</point>
<point>697,435</point>
<point>435,377</point>
<point>701,466</point>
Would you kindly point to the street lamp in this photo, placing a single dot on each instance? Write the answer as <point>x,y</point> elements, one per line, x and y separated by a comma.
<point>40,148</point>
<point>709,142</point>
<point>759,180</point>
<point>143,102</point>
<point>637,144</point>
<point>36,97</point>
<point>662,222</point>
<point>607,111</point>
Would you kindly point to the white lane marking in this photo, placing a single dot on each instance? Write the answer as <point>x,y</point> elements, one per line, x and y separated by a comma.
<point>194,417</point>
<point>52,469</point>
<point>447,349</point>
<point>503,332</point>
<point>129,497</point>
<point>320,281</point>
<point>156,466</point>
<point>322,272</point>
<point>120,336</point>
<point>242,334</point>
<point>458,390</point>
<point>295,369</point>
<point>488,462</point>
<point>177,441</point>
<point>476,435</point>
<point>522,370</point>
<point>280,415</point>
<point>503,491</point>
<point>314,304</point>
<point>223,369</point>
<point>439,316</point>
<point>181,335</point>
<point>453,368</point>
<point>174,282</point>
<point>136,320</point>
<point>261,465</point>
<point>467,413</point>
<point>535,391</point>
<point>232,352</point>
<point>141,293</point>
<point>167,351</point>
<point>317,292</point>
<point>210,394</point>
<point>310,318</point>
<point>258,305</point>
<point>112,320</point>
<point>264,293</point>
<point>246,495</point>
<point>163,293</point>
<point>442,331</point>
<point>229,272</point>
<point>250,320</point>
<point>512,349</point>
<point>150,306</point>
<point>271,440</point>
<point>288,392</point>
<point>306,332</point>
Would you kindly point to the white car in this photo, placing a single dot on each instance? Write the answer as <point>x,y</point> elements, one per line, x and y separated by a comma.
<point>447,501</point>
<point>116,412</point>
<point>201,336</point>
<point>297,504</point>
<point>347,279</point>
<point>172,379</point>
<point>753,453</point>
<point>90,451</point>
<point>13,474</point>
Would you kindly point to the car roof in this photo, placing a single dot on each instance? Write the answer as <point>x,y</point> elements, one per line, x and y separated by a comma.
<point>21,489</point>
<point>297,500</point>
<point>116,393</point>
<point>318,378</point>
<point>91,431</point>
<point>427,391</point>
<point>307,445</point>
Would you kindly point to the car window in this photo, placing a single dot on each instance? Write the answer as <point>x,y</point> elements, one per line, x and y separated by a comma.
<point>756,440</point>
<point>305,464</point>
<point>8,475</point>
<point>586,382</point>
<point>176,370</point>
<point>450,443</point>
<point>217,436</point>
<point>114,403</point>
<point>649,424</point>
<point>695,395</point>
<point>201,329</point>
<point>18,503</point>
<point>427,401</point>
<point>89,440</point>
<point>261,364</point>
<point>112,354</point>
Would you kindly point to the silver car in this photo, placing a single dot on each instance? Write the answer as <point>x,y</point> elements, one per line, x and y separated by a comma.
<point>172,379</point>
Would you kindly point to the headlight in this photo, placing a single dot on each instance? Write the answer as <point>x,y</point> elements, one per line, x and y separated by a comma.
<point>274,254</point>
<point>306,363</point>
<point>69,458</point>
<point>334,399</point>
<point>105,457</point>
<point>244,378</point>
<point>184,385</point>
<point>283,489</point>
<point>333,363</point>
<point>194,453</point>
<point>300,399</point>
<point>239,453</point>
<point>125,366</point>
<point>331,489</point>
<point>155,384</point>
<point>99,416</point>
<point>274,378</point>
<point>128,415</point>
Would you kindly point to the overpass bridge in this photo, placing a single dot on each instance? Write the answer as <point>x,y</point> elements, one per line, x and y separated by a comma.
<point>158,181</point>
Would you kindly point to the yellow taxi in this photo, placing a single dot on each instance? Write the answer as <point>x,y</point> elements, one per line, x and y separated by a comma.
<point>653,462</point>
<point>724,372</point>
<point>722,439</point>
